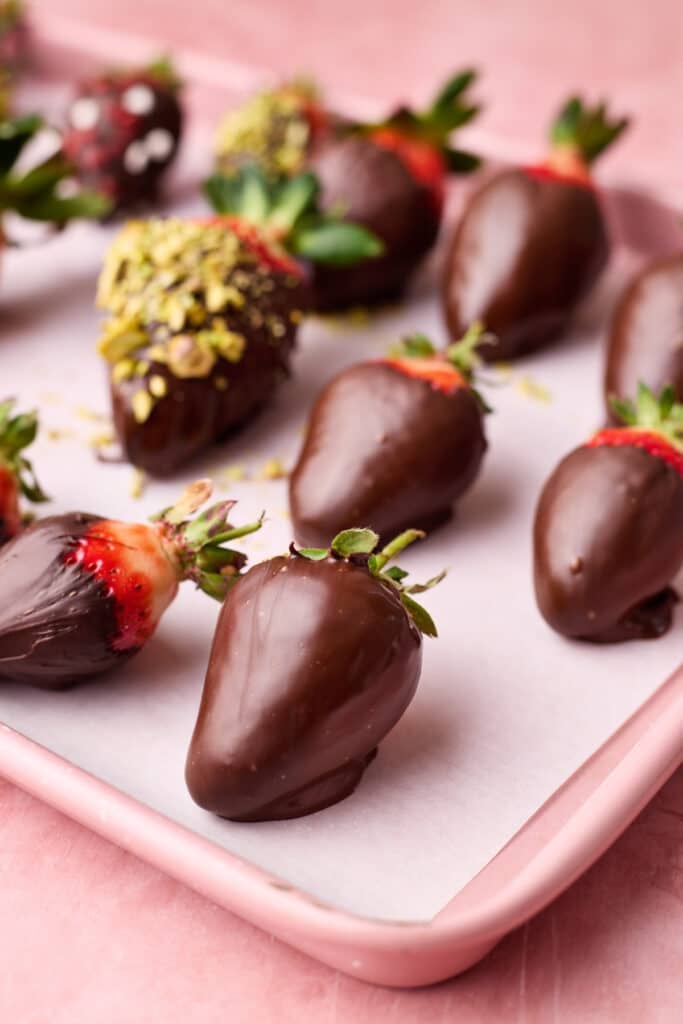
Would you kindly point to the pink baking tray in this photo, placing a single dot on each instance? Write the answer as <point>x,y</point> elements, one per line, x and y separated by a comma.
<point>565,836</point>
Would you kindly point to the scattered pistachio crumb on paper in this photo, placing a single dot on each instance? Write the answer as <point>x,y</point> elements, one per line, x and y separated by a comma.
<point>503,370</point>
<point>50,398</point>
<point>358,316</point>
<point>58,434</point>
<point>137,483</point>
<point>230,475</point>
<point>85,413</point>
<point>531,388</point>
<point>273,469</point>
<point>102,439</point>
<point>283,513</point>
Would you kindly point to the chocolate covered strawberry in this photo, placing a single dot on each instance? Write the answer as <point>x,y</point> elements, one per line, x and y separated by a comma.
<point>391,177</point>
<point>316,656</point>
<point>82,593</point>
<point>204,312</point>
<point>646,338</point>
<point>608,535</point>
<point>391,442</point>
<point>17,478</point>
<point>123,130</point>
<point>532,241</point>
<point>278,129</point>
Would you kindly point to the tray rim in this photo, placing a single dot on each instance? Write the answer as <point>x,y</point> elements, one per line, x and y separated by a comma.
<point>562,839</point>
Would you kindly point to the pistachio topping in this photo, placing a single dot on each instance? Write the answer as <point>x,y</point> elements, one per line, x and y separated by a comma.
<point>175,291</point>
<point>270,129</point>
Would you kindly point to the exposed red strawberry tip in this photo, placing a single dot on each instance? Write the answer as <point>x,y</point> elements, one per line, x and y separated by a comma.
<point>649,441</point>
<point>264,250</point>
<point>441,375</point>
<point>105,554</point>
<point>550,171</point>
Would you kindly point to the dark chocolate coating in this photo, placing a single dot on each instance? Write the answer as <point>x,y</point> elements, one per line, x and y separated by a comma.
<point>525,252</point>
<point>384,450</point>
<point>374,188</point>
<point>195,413</point>
<point>608,541</point>
<point>99,154</point>
<point>312,664</point>
<point>646,340</point>
<point>56,620</point>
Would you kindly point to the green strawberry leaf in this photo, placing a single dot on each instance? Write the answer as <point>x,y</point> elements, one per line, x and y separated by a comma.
<point>338,243</point>
<point>354,542</point>
<point>419,615</point>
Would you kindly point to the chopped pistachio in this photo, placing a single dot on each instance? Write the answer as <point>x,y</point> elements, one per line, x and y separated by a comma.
<point>231,475</point>
<point>530,388</point>
<point>142,404</point>
<point>187,358</point>
<point>157,385</point>
<point>271,129</point>
<point>137,483</point>
<point>296,316</point>
<point>123,370</point>
<point>221,383</point>
<point>273,469</point>
<point>102,439</point>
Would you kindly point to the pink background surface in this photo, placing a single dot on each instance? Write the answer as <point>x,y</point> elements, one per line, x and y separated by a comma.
<point>88,933</point>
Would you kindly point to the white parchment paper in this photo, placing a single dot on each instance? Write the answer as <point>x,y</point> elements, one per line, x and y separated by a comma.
<point>505,711</point>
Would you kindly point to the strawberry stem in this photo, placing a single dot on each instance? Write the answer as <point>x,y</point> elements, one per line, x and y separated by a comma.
<point>359,545</point>
<point>16,434</point>
<point>659,414</point>
<point>588,131</point>
<point>288,212</point>
<point>197,544</point>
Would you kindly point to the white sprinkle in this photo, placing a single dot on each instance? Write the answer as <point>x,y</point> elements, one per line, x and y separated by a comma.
<point>84,114</point>
<point>159,144</point>
<point>135,158</point>
<point>138,99</point>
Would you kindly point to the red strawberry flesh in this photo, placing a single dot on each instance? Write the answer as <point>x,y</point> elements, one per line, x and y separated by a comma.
<point>648,440</point>
<point>437,372</point>
<point>130,563</point>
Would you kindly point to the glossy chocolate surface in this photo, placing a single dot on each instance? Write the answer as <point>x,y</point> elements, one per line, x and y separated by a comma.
<point>197,412</point>
<point>55,619</point>
<point>608,542</point>
<point>373,188</point>
<point>312,664</point>
<point>384,450</point>
<point>526,251</point>
<point>646,340</point>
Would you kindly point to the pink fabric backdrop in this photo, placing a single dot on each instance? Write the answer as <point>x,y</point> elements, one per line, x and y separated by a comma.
<point>89,935</point>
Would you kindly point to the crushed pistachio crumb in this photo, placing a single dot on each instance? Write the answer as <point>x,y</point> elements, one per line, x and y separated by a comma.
<point>157,385</point>
<point>530,388</point>
<point>85,413</point>
<point>273,469</point>
<point>123,370</point>
<point>142,404</point>
<point>231,475</point>
<point>102,439</point>
<point>221,383</point>
<point>57,434</point>
<point>138,482</point>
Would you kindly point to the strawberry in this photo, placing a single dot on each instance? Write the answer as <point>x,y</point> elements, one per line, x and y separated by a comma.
<point>204,313</point>
<point>646,337</point>
<point>532,241</point>
<point>16,473</point>
<point>277,129</point>
<point>82,593</point>
<point>123,131</point>
<point>315,657</point>
<point>391,176</point>
<point>391,442</point>
<point>608,534</point>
